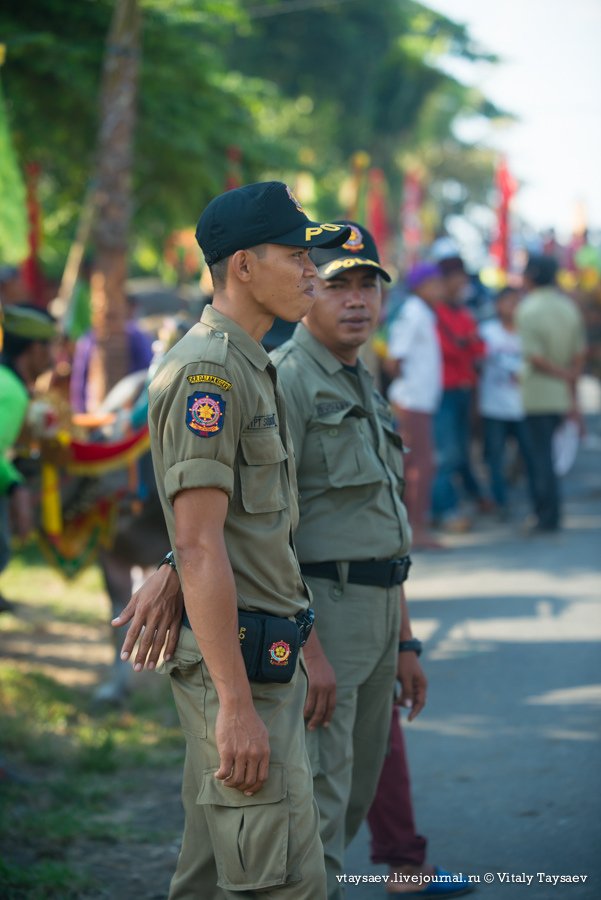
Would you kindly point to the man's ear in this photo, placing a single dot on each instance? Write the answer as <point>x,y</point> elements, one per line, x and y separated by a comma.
<point>241,265</point>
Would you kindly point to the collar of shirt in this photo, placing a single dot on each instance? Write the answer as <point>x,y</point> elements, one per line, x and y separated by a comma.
<point>241,339</point>
<point>319,353</point>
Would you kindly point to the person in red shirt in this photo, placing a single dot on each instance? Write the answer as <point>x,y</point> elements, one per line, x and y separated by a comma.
<point>461,348</point>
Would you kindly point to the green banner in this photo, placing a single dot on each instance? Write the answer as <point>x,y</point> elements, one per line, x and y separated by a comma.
<point>13,209</point>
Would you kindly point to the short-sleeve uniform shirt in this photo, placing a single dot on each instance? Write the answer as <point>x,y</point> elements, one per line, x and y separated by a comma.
<point>550,326</point>
<point>217,420</point>
<point>349,457</point>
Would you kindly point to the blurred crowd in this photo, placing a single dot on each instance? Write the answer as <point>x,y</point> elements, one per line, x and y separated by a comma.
<point>484,387</point>
<point>448,355</point>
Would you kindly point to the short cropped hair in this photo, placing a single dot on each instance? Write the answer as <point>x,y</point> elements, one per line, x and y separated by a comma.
<point>541,269</point>
<point>218,270</point>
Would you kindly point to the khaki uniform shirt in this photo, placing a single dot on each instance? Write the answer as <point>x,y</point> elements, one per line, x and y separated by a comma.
<point>550,326</point>
<point>349,457</point>
<point>217,420</point>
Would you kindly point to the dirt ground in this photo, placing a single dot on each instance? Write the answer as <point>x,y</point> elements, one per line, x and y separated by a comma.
<point>144,802</point>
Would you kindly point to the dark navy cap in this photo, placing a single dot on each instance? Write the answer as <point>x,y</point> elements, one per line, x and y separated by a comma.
<point>359,249</point>
<point>263,213</point>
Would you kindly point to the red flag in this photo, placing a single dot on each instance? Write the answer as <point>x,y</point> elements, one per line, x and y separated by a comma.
<point>30,270</point>
<point>377,215</point>
<point>234,175</point>
<point>411,223</point>
<point>506,188</point>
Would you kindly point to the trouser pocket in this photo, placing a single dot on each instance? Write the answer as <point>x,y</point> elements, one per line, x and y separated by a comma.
<point>250,835</point>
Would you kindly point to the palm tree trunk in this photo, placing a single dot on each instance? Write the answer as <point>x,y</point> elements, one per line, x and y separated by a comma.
<point>113,197</point>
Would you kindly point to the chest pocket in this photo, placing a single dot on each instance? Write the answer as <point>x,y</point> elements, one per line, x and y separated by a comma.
<point>348,448</point>
<point>263,484</point>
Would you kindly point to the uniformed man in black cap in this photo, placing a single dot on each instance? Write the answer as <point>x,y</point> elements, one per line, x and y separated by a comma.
<point>226,479</point>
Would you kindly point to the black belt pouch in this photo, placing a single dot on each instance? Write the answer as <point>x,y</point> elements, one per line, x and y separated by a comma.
<point>269,646</point>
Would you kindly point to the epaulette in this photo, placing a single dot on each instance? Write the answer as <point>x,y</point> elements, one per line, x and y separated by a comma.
<point>215,349</point>
<point>202,344</point>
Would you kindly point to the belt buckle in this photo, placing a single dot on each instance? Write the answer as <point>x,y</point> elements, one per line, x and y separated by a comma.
<point>401,570</point>
<point>396,573</point>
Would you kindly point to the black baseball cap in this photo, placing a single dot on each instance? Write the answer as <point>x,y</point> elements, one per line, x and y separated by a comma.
<point>263,213</point>
<point>359,249</point>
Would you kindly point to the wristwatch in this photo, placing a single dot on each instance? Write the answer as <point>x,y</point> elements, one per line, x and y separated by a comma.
<point>168,560</point>
<point>413,644</point>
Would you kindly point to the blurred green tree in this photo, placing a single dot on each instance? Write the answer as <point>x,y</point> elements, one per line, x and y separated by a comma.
<point>295,84</point>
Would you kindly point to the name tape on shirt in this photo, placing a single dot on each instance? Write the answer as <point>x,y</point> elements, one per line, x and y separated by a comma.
<point>211,379</point>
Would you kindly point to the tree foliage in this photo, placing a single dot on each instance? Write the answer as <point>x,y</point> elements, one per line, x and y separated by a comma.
<point>294,85</point>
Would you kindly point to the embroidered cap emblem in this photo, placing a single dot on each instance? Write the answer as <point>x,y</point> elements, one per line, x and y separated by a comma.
<point>279,653</point>
<point>205,414</point>
<point>355,241</point>
<point>294,200</point>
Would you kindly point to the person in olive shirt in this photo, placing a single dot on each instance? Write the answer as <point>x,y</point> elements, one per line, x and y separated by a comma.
<point>222,461</point>
<point>352,539</point>
<point>554,349</point>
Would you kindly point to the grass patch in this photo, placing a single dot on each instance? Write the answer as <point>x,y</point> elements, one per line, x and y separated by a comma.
<point>84,774</point>
<point>40,880</point>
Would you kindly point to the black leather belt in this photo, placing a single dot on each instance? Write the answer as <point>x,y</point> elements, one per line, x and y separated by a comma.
<point>375,572</point>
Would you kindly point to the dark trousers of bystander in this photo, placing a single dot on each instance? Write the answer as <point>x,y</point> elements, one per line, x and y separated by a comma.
<point>394,839</point>
<point>496,433</point>
<point>452,432</point>
<point>541,429</point>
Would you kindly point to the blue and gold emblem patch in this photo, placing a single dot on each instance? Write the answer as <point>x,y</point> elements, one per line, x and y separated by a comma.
<point>205,414</point>
<point>279,652</point>
<point>355,240</point>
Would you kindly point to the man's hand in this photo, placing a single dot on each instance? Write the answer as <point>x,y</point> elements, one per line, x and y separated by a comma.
<point>414,684</point>
<point>155,612</point>
<point>243,745</point>
<point>321,696</point>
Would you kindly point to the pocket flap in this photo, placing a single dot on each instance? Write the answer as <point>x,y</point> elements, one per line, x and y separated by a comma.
<point>262,448</point>
<point>336,416</point>
<point>215,793</point>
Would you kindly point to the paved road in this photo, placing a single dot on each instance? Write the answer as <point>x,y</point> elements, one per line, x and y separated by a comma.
<point>505,760</point>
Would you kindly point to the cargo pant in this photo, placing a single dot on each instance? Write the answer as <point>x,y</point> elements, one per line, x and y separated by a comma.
<point>358,627</point>
<point>234,846</point>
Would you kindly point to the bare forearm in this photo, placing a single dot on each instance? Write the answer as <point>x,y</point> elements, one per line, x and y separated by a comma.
<point>406,633</point>
<point>210,592</point>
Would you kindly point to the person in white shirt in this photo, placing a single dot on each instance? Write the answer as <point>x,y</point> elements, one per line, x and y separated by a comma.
<point>416,390</point>
<point>500,397</point>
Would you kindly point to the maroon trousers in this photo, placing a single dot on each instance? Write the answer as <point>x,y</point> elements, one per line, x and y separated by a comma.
<point>416,431</point>
<point>394,840</point>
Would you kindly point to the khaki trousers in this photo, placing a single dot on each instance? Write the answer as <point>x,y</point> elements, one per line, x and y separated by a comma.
<point>358,627</point>
<point>234,846</point>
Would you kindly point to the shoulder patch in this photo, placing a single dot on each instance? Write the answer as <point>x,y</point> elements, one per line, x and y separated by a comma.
<point>211,379</point>
<point>205,414</point>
